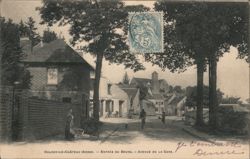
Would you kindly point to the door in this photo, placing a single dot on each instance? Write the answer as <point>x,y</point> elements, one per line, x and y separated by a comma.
<point>85,108</point>
<point>120,108</point>
<point>101,108</point>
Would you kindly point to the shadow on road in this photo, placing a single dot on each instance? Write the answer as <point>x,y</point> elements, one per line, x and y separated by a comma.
<point>154,129</point>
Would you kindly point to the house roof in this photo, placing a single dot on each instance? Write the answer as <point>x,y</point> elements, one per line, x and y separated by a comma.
<point>145,81</point>
<point>149,103</point>
<point>234,107</point>
<point>57,51</point>
<point>168,98</point>
<point>155,96</point>
<point>142,81</point>
<point>176,100</point>
<point>130,90</point>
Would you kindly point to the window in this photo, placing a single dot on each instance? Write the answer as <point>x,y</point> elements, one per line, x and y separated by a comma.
<point>92,74</point>
<point>52,76</point>
<point>66,100</point>
<point>112,106</point>
<point>109,88</point>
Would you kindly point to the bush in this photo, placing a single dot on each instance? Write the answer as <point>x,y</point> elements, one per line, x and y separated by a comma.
<point>233,121</point>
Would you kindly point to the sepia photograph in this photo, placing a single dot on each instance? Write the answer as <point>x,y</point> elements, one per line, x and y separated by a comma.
<point>124,79</point>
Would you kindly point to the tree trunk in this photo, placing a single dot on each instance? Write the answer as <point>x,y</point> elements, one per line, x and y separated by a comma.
<point>96,85</point>
<point>199,111</point>
<point>213,101</point>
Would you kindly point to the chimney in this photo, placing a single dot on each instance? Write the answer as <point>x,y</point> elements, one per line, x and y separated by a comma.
<point>25,44</point>
<point>24,41</point>
<point>155,83</point>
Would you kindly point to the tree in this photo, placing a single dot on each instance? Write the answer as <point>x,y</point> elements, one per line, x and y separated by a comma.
<point>49,36</point>
<point>191,93</point>
<point>23,29</point>
<point>125,79</point>
<point>33,36</point>
<point>11,68</point>
<point>230,30</point>
<point>102,25</point>
<point>203,32</point>
<point>183,45</point>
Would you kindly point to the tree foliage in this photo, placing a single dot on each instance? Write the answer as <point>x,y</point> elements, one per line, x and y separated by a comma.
<point>32,31</point>
<point>97,23</point>
<point>200,33</point>
<point>191,93</point>
<point>212,27</point>
<point>102,24</point>
<point>11,68</point>
<point>23,29</point>
<point>49,36</point>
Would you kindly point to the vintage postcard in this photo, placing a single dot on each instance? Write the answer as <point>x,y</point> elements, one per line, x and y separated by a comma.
<point>124,79</point>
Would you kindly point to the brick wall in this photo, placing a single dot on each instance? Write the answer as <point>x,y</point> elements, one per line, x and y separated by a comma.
<point>69,77</point>
<point>5,113</point>
<point>42,118</point>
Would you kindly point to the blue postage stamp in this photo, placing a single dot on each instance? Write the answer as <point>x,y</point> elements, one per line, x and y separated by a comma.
<point>145,32</point>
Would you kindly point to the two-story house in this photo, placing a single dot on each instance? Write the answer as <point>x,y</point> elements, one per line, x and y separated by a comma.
<point>58,73</point>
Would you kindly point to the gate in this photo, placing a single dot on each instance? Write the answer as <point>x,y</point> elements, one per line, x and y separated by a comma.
<point>16,115</point>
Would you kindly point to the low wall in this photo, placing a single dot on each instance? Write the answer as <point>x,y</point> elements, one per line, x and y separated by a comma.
<point>25,118</point>
<point>42,118</point>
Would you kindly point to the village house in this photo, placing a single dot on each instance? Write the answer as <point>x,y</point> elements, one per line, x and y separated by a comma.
<point>175,105</point>
<point>58,74</point>
<point>114,102</point>
<point>134,98</point>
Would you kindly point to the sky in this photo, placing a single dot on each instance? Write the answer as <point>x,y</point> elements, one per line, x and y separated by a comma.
<point>232,77</point>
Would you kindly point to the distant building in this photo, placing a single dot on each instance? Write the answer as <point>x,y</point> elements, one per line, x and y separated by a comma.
<point>149,107</point>
<point>114,102</point>
<point>134,98</point>
<point>175,105</point>
<point>152,90</point>
<point>157,86</point>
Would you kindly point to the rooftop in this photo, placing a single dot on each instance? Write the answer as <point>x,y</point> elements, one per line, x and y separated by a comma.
<point>57,51</point>
<point>177,100</point>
